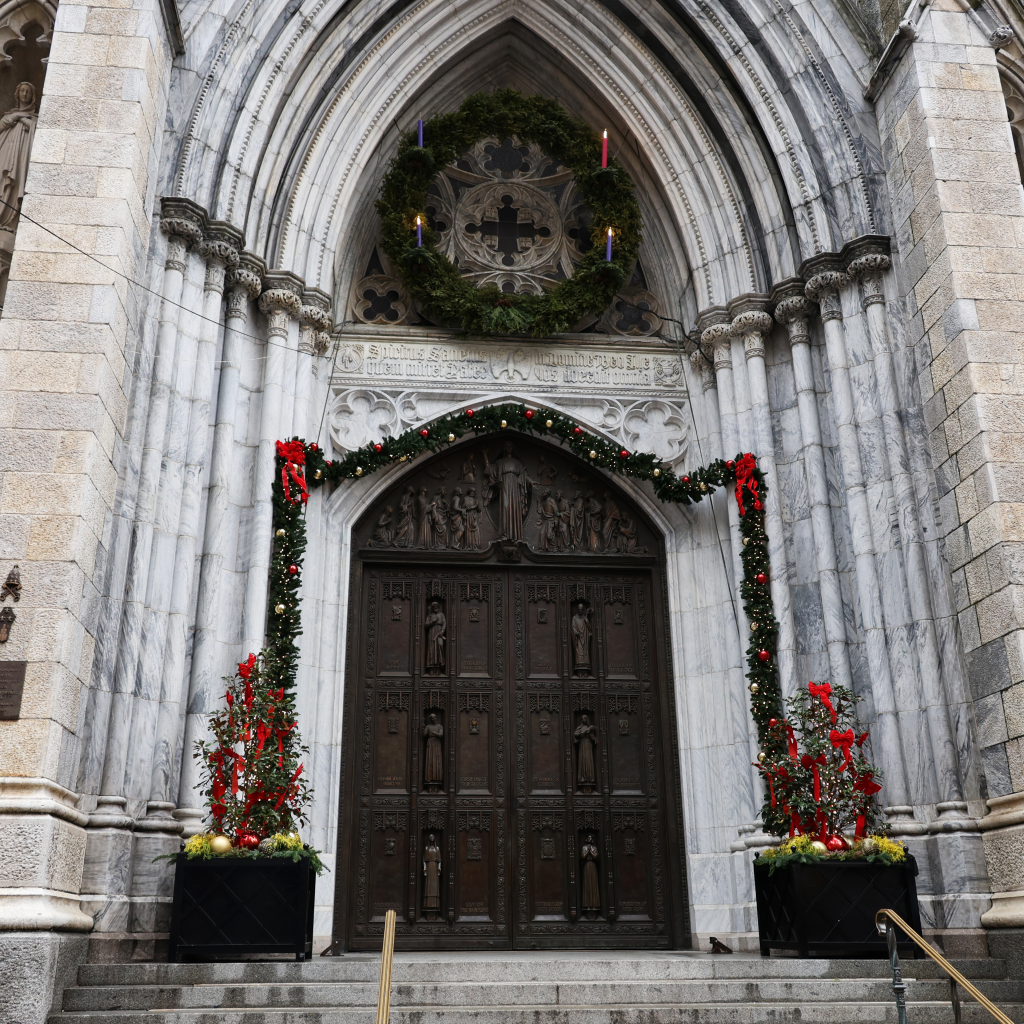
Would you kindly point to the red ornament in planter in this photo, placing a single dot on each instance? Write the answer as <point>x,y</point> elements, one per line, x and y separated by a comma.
<point>761,578</point>
<point>293,569</point>
<point>378,447</point>
<point>529,414</point>
<point>836,843</point>
<point>763,655</point>
<point>247,841</point>
<point>424,432</point>
<point>469,413</point>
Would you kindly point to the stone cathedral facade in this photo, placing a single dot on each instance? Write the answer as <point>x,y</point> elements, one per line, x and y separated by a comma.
<point>831,277</point>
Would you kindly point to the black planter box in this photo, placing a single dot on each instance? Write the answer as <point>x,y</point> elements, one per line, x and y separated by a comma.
<point>828,909</point>
<point>227,907</point>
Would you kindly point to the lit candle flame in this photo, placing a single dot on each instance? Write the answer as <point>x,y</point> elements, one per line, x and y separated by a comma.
<point>609,232</point>
<point>606,133</point>
<point>419,221</point>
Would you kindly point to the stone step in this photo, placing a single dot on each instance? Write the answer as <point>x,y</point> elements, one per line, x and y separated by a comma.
<point>857,1012</point>
<point>537,994</point>
<point>497,967</point>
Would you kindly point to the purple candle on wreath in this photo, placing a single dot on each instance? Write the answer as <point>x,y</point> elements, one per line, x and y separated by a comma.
<point>419,233</point>
<point>604,149</point>
<point>608,247</point>
<point>419,134</point>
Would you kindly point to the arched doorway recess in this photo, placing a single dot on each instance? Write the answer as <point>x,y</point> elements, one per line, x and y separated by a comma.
<point>511,769</point>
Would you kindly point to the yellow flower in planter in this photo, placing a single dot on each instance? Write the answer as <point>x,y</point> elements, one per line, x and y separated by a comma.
<point>895,850</point>
<point>288,841</point>
<point>199,845</point>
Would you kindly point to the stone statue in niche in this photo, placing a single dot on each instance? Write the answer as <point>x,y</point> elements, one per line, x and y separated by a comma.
<point>433,762</point>
<point>435,624</point>
<point>405,535</point>
<point>432,874</point>
<point>586,737</point>
<point>17,129</point>
<point>510,485</point>
<point>581,631</point>
<point>591,884</point>
<point>382,536</point>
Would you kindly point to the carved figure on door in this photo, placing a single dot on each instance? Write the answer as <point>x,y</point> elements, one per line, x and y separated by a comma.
<point>439,519</point>
<point>594,526</point>
<point>577,518</point>
<point>426,531</point>
<point>471,516</point>
<point>382,532</point>
<point>612,518</point>
<point>586,737</point>
<point>456,520</point>
<point>591,884</point>
<point>509,484</point>
<point>564,536</point>
<point>435,623</point>
<point>548,509</point>
<point>433,763</point>
<point>405,534</point>
<point>581,640</point>
<point>432,874</point>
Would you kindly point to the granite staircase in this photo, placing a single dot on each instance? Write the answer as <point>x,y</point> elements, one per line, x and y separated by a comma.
<point>530,988</point>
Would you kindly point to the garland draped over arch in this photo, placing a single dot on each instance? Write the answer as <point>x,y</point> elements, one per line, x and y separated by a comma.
<point>301,467</point>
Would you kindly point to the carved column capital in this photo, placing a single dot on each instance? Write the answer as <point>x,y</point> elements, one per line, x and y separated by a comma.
<point>715,335</point>
<point>824,289</point>
<point>752,326</point>
<point>279,304</point>
<point>244,283</point>
<point>707,372</point>
<point>869,268</point>
<point>182,234</point>
<point>792,313</point>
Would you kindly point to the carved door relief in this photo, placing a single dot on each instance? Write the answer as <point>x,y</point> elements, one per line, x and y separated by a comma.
<point>510,773</point>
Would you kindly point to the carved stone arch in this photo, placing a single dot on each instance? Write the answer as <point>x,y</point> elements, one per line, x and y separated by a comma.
<point>1012,80</point>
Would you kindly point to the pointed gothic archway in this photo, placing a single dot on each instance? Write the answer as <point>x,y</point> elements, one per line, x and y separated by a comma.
<point>509,693</point>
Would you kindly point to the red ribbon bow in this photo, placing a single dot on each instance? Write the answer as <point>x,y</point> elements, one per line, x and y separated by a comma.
<point>293,454</point>
<point>866,785</point>
<point>745,478</point>
<point>824,691</point>
<point>791,741</point>
<point>843,740</point>
<point>861,738</point>
<point>812,762</point>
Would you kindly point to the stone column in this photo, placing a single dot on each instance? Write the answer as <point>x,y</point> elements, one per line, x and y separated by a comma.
<point>792,312</point>
<point>282,305</point>
<point>709,385</point>
<point>824,288</point>
<point>220,537</point>
<point>315,320</point>
<point>751,325</point>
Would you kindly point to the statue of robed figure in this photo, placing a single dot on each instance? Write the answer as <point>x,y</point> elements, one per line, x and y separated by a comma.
<point>509,483</point>
<point>581,640</point>
<point>591,884</point>
<point>435,623</point>
<point>433,763</point>
<point>17,129</point>
<point>432,874</point>
<point>585,737</point>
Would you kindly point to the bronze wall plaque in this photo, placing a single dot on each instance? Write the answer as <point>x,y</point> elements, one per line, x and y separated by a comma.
<point>12,685</point>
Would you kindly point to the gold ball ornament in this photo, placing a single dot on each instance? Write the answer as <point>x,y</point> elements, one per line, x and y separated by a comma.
<point>703,487</point>
<point>549,424</point>
<point>760,758</point>
<point>753,627</point>
<point>746,541</point>
<point>504,424</point>
<point>359,470</point>
<point>402,458</point>
<point>819,847</point>
<point>754,688</point>
<point>451,437</point>
<point>657,472</point>
<point>593,455</point>
<point>867,847</point>
<point>318,475</point>
<point>280,533</point>
<point>220,845</point>
<point>279,608</point>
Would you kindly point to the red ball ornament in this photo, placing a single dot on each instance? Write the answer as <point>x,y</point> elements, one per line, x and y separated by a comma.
<point>761,578</point>
<point>623,454</point>
<point>730,464</point>
<point>314,447</point>
<point>836,843</point>
<point>293,569</point>
<point>757,505</point>
<point>686,479</point>
<point>763,655</point>
<point>529,414</point>
<point>469,413</point>
<point>247,841</point>
<point>378,447</point>
<point>577,431</point>
<point>772,722</point>
<point>424,432</point>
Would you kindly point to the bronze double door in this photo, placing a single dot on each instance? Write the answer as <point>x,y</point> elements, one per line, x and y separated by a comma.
<point>508,756</point>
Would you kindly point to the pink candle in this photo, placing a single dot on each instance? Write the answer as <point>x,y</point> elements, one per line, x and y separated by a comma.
<point>604,151</point>
<point>608,248</point>
<point>419,235</point>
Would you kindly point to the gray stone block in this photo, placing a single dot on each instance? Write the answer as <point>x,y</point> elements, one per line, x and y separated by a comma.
<point>36,968</point>
<point>988,669</point>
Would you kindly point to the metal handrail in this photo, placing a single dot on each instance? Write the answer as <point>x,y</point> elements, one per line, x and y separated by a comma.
<point>387,956</point>
<point>883,921</point>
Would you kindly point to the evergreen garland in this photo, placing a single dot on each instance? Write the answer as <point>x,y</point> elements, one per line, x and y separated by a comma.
<point>436,283</point>
<point>741,475</point>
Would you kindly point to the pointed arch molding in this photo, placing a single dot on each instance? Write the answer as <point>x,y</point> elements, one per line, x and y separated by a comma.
<point>743,134</point>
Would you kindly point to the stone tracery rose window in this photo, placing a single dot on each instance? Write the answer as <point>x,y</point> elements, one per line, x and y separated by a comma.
<point>507,214</point>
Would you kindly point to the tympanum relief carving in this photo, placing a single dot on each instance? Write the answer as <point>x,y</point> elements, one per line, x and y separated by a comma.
<point>507,491</point>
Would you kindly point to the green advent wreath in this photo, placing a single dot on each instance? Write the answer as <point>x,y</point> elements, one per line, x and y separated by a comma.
<point>436,283</point>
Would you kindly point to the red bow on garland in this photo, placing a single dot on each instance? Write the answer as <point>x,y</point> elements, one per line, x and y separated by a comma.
<point>844,741</point>
<point>745,478</point>
<point>294,455</point>
<point>824,691</point>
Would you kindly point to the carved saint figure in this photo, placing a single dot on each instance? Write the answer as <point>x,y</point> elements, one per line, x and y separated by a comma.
<point>612,518</point>
<point>627,534</point>
<point>433,763</point>
<point>548,509</point>
<point>17,128</point>
<point>576,520</point>
<point>425,534</point>
<point>456,521</point>
<point>435,623</point>
<point>509,483</point>
<point>591,885</point>
<point>439,519</point>
<point>581,640</point>
<point>471,515</point>
<point>563,522</point>
<point>382,533</point>
<point>586,736</point>
<point>469,470</point>
<point>432,874</point>
<point>405,535</point>
<point>594,533</point>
